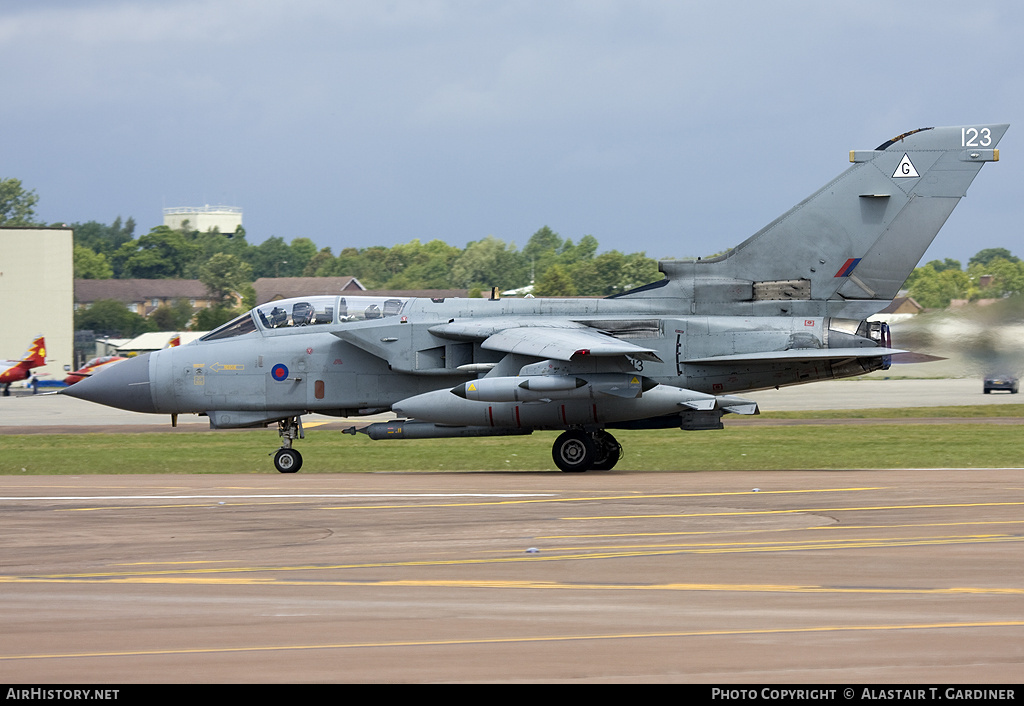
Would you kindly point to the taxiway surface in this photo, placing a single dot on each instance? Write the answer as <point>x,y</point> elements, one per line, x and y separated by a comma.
<point>833,577</point>
<point>839,576</point>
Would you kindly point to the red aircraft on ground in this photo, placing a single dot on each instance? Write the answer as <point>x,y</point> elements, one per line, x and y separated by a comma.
<point>95,364</point>
<point>91,367</point>
<point>14,370</point>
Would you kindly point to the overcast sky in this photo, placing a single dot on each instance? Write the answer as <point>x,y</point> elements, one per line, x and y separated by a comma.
<point>674,128</point>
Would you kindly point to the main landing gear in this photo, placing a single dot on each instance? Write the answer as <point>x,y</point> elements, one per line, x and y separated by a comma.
<point>287,459</point>
<point>576,451</point>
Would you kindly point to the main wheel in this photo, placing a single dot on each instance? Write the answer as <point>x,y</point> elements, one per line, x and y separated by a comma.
<point>287,460</point>
<point>574,452</point>
<point>609,451</point>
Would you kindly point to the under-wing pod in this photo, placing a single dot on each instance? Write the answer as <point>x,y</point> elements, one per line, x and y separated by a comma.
<point>443,407</point>
<point>406,429</point>
<point>514,389</point>
<point>543,388</point>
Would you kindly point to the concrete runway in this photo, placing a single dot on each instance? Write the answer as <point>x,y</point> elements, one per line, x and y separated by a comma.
<point>830,577</point>
<point>833,577</point>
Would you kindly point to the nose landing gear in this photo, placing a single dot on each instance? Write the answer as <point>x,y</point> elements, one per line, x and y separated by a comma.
<point>287,459</point>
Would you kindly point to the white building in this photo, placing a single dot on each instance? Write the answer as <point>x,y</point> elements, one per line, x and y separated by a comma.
<point>37,292</point>
<point>226,219</point>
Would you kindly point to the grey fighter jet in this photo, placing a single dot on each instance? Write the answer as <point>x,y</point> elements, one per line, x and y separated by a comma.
<point>785,307</point>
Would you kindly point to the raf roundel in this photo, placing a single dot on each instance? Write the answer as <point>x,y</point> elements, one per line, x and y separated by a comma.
<point>279,372</point>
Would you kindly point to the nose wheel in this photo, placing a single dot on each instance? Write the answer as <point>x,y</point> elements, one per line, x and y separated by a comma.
<point>287,459</point>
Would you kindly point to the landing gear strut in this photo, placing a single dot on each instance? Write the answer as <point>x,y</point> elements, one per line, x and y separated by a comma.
<point>576,451</point>
<point>609,451</point>
<point>287,459</point>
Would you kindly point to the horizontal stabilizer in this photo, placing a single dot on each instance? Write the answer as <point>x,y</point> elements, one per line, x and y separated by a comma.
<point>700,401</point>
<point>911,357</point>
<point>737,405</point>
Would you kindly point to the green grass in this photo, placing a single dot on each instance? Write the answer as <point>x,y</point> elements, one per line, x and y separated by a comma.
<point>755,447</point>
<point>952,412</point>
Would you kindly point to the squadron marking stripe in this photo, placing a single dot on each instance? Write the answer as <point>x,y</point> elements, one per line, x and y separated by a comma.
<point>847,269</point>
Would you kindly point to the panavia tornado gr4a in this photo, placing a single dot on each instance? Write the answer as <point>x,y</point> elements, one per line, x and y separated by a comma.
<point>785,307</point>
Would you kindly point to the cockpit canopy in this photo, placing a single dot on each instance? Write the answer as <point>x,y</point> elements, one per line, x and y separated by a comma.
<point>286,313</point>
<point>308,311</point>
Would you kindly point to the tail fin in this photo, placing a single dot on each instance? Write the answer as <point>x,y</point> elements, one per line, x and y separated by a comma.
<point>860,236</point>
<point>35,356</point>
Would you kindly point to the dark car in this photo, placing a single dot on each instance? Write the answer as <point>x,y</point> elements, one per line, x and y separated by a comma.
<point>1001,382</point>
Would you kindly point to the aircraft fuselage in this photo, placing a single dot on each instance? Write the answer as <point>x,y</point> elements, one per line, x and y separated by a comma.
<point>352,368</point>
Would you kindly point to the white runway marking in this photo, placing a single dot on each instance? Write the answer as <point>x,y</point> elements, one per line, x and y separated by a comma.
<point>282,495</point>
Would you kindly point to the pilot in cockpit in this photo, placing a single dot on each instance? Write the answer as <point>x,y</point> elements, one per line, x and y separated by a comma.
<point>278,317</point>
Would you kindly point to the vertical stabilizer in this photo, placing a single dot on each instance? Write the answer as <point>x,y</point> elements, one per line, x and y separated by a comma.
<point>35,356</point>
<point>861,235</point>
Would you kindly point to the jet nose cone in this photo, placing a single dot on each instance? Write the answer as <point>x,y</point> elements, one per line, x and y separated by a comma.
<point>125,386</point>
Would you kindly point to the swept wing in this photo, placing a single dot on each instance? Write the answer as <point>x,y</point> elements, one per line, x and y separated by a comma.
<point>558,340</point>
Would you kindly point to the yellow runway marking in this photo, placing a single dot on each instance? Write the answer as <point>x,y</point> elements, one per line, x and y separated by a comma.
<point>830,528</point>
<point>258,500</point>
<point>921,524</point>
<point>313,425</point>
<point>172,563</point>
<point>575,555</point>
<point>526,640</point>
<point>792,511</point>
<point>817,546</point>
<point>561,586</point>
<point>653,496</point>
<point>783,545</point>
<point>227,500</point>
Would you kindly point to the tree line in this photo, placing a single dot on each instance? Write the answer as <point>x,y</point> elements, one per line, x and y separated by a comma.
<point>228,264</point>
<point>556,266</point>
<point>993,273</point>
